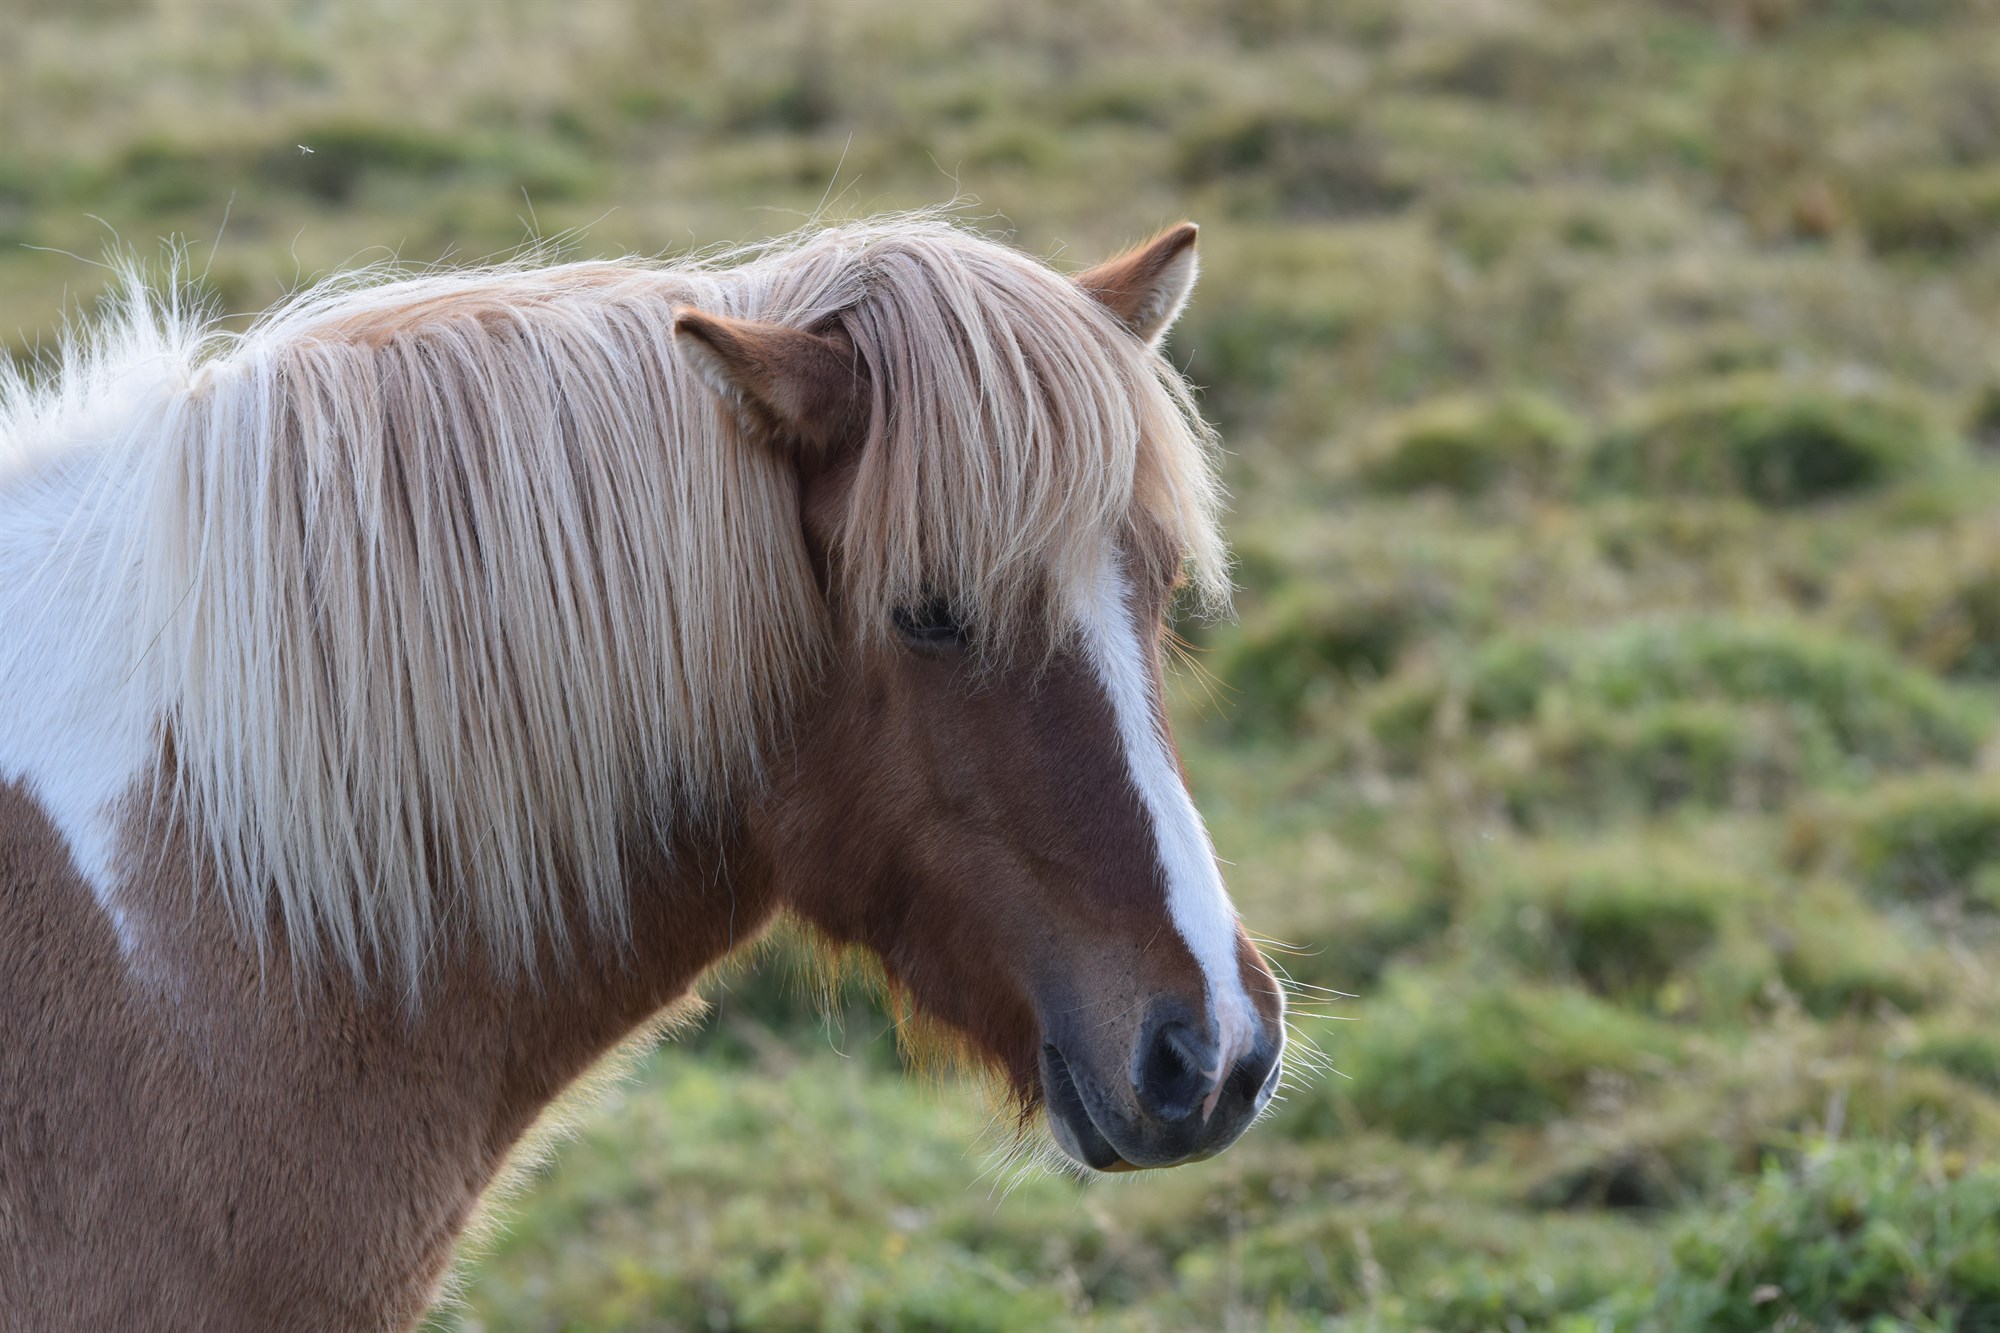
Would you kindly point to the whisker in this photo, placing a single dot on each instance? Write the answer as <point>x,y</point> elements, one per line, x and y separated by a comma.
<point>1284,946</point>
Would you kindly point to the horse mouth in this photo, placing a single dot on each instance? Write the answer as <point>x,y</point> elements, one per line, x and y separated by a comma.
<point>1070,1120</point>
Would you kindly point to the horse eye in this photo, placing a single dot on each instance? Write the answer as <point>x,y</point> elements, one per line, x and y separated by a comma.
<point>929,622</point>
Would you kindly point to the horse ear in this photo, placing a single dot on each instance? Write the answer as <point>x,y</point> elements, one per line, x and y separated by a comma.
<point>1146,287</point>
<point>801,385</point>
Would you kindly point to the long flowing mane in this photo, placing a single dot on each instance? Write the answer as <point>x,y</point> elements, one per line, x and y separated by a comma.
<point>448,585</point>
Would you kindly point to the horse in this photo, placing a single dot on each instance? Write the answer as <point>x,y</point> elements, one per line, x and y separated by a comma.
<point>405,700</point>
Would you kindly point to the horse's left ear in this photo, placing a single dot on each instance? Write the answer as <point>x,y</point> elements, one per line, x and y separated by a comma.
<point>799,384</point>
<point>1146,288</point>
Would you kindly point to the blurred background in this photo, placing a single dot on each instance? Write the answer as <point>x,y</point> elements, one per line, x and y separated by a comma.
<point>1612,393</point>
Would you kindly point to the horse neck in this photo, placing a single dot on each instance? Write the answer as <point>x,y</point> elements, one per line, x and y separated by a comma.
<point>214,1110</point>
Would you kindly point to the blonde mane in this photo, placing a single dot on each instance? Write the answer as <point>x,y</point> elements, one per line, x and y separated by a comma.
<point>451,584</point>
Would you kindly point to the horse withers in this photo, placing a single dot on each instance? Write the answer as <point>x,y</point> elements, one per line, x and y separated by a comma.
<point>404,702</point>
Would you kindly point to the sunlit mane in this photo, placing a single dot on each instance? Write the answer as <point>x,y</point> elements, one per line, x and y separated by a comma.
<point>455,584</point>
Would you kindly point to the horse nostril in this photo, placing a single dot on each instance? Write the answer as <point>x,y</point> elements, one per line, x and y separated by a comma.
<point>1172,1071</point>
<point>1255,1077</point>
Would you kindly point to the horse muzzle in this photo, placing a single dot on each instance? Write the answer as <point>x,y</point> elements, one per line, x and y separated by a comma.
<point>1170,1103</point>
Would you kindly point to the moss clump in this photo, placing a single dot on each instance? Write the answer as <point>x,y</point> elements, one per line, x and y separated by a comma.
<point>1970,1054</point>
<point>1837,956</point>
<point>344,153</point>
<point>1859,1236</point>
<point>1937,599</point>
<point>1305,160</point>
<point>1455,1269</point>
<point>165,176</point>
<point>1982,419</point>
<point>1430,1059</point>
<point>1593,765</point>
<point>1472,445</point>
<point>1772,440</point>
<point>1865,707</point>
<point>1933,838</point>
<point>1875,708</point>
<point>1621,922</point>
<point>1935,212</point>
<point>1319,639</point>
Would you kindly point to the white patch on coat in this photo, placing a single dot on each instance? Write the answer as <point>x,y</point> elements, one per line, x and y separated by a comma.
<point>75,725</point>
<point>1196,899</point>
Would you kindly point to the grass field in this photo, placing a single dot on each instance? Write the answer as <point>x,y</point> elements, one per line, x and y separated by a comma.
<point>1612,393</point>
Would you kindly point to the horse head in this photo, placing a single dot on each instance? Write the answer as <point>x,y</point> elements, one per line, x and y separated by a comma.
<point>988,798</point>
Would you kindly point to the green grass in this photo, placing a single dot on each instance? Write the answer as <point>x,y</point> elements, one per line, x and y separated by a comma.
<point>1439,1058</point>
<point>1773,441</point>
<point>792,1196</point>
<point>1862,1238</point>
<point>1469,446</point>
<point>1932,839</point>
<point>1611,400</point>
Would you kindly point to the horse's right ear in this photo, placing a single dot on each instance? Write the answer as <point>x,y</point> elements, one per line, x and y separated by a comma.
<point>789,382</point>
<point>1146,287</point>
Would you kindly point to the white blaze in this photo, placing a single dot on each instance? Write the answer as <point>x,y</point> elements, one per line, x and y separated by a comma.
<point>1196,898</point>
